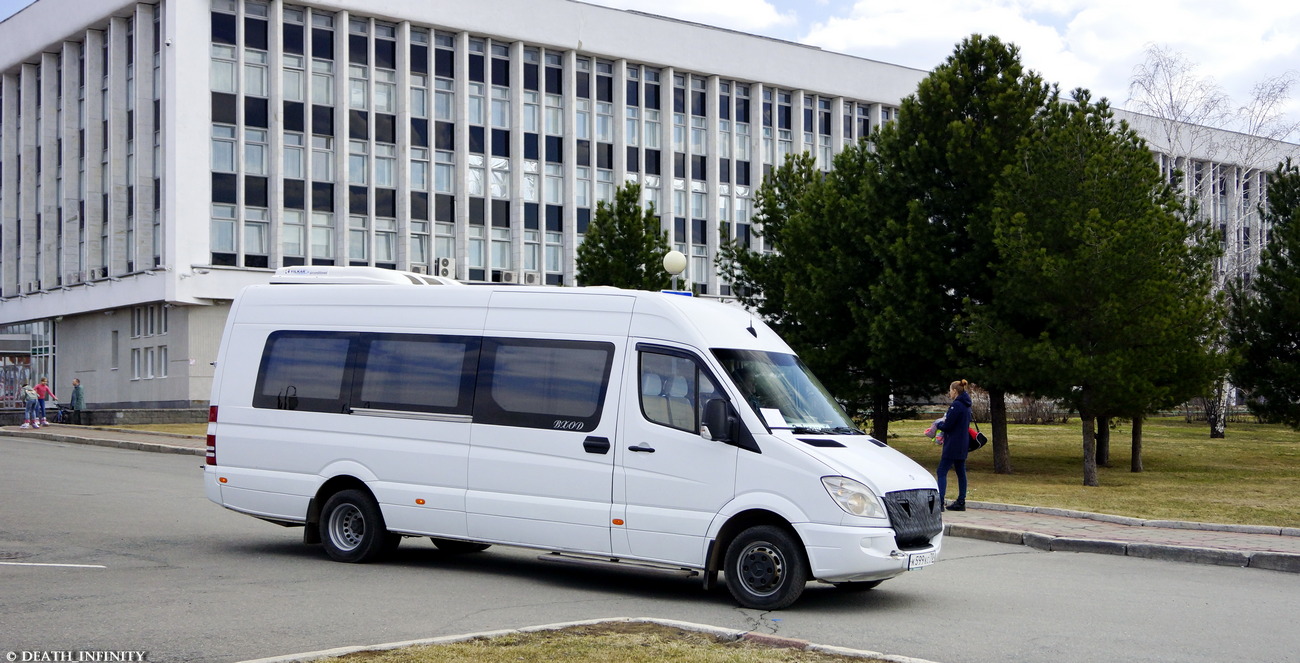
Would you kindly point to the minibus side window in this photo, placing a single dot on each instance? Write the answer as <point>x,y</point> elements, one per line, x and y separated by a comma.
<point>304,371</point>
<point>416,373</point>
<point>674,390</point>
<point>536,383</point>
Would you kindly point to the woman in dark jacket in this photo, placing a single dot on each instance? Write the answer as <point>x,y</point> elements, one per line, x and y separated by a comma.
<point>956,443</point>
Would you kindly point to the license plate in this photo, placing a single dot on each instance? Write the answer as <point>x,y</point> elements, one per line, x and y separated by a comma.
<point>920,560</point>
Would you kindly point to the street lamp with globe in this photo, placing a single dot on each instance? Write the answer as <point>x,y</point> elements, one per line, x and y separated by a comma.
<point>674,264</point>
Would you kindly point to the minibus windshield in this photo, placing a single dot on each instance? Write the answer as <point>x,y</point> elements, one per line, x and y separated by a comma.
<point>775,383</point>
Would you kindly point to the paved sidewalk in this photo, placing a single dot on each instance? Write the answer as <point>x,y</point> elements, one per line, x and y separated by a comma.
<point>1043,528</point>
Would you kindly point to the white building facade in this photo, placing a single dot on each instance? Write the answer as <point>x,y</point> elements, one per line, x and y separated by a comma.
<point>157,157</point>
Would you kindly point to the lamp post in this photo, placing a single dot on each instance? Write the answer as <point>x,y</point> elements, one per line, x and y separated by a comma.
<point>674,264</point>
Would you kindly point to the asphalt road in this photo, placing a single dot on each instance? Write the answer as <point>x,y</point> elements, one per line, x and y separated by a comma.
<point>153,566</point>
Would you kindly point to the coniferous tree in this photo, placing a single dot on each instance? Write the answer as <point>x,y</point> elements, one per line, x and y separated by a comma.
<point>1102,296</point>
<point>1264,328</point>
<point>939,164</point>
<point>624,245</point>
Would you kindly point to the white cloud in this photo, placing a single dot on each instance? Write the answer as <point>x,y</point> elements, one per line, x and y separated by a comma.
<point>1080,43</point>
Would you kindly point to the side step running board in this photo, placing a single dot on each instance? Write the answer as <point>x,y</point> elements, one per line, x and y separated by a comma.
<point>568,559</point>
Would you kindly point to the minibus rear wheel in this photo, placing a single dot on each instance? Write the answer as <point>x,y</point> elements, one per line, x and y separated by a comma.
<point>765,568</point>
<point>352,528</point>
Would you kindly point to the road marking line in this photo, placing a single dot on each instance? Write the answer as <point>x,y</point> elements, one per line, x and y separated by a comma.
<point>71,566</point>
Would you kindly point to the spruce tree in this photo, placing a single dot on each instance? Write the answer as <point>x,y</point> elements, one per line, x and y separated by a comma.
<point>1264,328</point>
<point>624,245</point>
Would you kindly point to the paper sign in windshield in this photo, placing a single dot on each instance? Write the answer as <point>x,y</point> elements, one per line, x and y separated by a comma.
<point>773,418</point>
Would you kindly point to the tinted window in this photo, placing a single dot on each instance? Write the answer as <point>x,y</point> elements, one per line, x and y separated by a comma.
<point>674,390</point>
<point>304,371</point>
<point>336,371</point>
<point>542,384</point>
<point>417,373</point>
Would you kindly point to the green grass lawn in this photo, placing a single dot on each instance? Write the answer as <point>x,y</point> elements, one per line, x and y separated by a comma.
<point>1251,477</point>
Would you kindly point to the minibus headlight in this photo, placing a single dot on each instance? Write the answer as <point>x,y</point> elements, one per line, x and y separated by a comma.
<point>854,497</point>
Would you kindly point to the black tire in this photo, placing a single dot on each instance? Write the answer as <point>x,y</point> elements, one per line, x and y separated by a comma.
<point>352,528</point>
<point>459,547</point>
<point>765,568</point>
<point>861,586</point>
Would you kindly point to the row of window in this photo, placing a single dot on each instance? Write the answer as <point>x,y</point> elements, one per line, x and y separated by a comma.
<point>550,384</point>
<point>511,382</point>
<point>149,363</point>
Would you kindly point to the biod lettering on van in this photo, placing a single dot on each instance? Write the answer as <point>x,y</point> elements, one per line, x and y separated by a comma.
<point>596,425</point>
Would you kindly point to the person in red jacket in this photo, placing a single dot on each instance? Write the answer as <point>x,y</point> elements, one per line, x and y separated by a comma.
<point>43,392</point>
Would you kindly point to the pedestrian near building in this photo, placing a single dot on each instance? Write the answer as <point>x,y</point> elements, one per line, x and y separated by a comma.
<point>44,393</point>
<point>78,400</point>
<point>956,443</point>
<point>30,401</point>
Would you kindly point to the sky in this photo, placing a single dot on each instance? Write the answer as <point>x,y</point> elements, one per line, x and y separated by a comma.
<point>1094,44</point>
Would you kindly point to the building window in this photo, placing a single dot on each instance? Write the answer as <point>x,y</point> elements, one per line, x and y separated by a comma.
<point>419,95</point>
<point>444,172</point>
<point>501,107</point>
<point>476,103</point>
<point>358,87</point>
<point>223,229</point>
<point>385,165</point>
<point>255,73</point>
<point>501,255</point>
<point>255,151</point>
<point>358,239</point>
<point>223,148</point>
<point>477,247</point>
<point>500,178</point>
<point>322,158</point>
<point>358,162</point>
<point>420,168</point>
<point>294,156</point>
<point>444,98</point>
<point>322,82</point>
<point>385,91</point>
<point>419,242</point>
<point>256,231</point>
<point>223,69</point>
<point>322,235</point>
<point>294,78</point>
<point>293,233</point>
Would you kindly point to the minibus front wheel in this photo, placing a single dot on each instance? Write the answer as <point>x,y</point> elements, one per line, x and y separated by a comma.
<point>765,568</point>
<point>353,528</point>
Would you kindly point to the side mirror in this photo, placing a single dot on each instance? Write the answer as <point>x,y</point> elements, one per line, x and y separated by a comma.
<point>719,421</point>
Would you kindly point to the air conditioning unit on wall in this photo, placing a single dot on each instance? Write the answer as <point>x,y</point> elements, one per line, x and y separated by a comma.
<point>509,277</point>
<point>419,269</point>
<point>445,267</point>
<point>532,278</point>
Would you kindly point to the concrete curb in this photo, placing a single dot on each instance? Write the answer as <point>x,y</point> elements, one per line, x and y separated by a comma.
<point>1138,522</point>
<point>721,633</point>
<point>1266,560</point>
<point>134,445</point>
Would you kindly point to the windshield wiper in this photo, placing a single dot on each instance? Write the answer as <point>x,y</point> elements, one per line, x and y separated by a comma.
<point>840,430</point>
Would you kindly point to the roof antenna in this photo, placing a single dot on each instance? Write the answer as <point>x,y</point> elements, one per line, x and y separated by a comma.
<point>752,332</point>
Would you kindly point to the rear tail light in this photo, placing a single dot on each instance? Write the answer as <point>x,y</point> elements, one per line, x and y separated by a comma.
<point>212,438</point>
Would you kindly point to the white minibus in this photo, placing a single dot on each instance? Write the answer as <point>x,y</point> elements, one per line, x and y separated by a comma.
<point>596,424</point>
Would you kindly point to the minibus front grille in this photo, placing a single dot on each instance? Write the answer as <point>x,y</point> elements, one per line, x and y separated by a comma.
<point>915,515</point>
